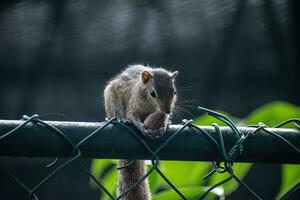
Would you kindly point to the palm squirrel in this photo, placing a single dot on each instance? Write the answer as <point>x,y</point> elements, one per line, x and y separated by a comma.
<point>131,96</point>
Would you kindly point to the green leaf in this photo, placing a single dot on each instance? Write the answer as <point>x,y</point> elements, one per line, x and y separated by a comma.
<point>239,169</point>
<point>189,192</point>
<point>98,167</point>
<point>110,183</point>
<point>154,181</point>
<point>290,177</point>
<point>273,113</point>
<point>184,173</point>
<point>106,173</point>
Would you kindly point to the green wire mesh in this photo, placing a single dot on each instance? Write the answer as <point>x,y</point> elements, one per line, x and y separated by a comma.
<point>226,167</point>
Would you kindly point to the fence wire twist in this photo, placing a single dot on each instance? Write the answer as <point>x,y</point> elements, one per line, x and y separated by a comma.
<point>218,167</point>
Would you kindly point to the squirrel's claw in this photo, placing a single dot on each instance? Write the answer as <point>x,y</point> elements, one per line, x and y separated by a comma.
<point>123,120</point>
<point>153,133</point>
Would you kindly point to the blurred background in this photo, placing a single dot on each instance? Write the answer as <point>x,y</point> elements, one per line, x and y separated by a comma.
<point>56,57</point>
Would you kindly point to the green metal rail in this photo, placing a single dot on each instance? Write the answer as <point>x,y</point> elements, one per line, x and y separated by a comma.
<point>115,142</point>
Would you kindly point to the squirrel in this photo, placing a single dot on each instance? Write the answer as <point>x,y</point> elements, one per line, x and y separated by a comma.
<point>131,96</point>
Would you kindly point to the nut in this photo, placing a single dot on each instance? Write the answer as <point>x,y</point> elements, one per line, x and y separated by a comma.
<point>155,120</point>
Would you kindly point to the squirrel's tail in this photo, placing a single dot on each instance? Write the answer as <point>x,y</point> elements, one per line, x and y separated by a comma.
<point>130,175</point>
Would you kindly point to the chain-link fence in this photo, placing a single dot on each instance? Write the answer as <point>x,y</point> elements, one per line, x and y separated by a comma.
<point>221,145</point>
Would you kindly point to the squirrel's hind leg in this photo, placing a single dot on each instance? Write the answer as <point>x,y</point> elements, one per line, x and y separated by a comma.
<point>113,107</point>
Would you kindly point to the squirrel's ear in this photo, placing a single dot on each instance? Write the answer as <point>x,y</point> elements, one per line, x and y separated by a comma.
<point>146,76</point>
<point>174,75</point>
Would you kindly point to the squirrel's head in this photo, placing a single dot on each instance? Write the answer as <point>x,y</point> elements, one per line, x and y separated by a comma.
<point>160,88</point>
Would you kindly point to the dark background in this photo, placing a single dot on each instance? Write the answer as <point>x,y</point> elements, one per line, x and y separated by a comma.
<point>56,56</point>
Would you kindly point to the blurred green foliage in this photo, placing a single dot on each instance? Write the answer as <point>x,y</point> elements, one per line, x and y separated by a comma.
<point>187,176</point>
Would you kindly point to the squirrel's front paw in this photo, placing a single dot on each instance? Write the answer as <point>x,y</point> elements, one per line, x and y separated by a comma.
<point>153,133</point>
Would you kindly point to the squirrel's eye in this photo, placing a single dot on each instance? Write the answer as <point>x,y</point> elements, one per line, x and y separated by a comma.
<point>174,93</point>
<point>153,94</point>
